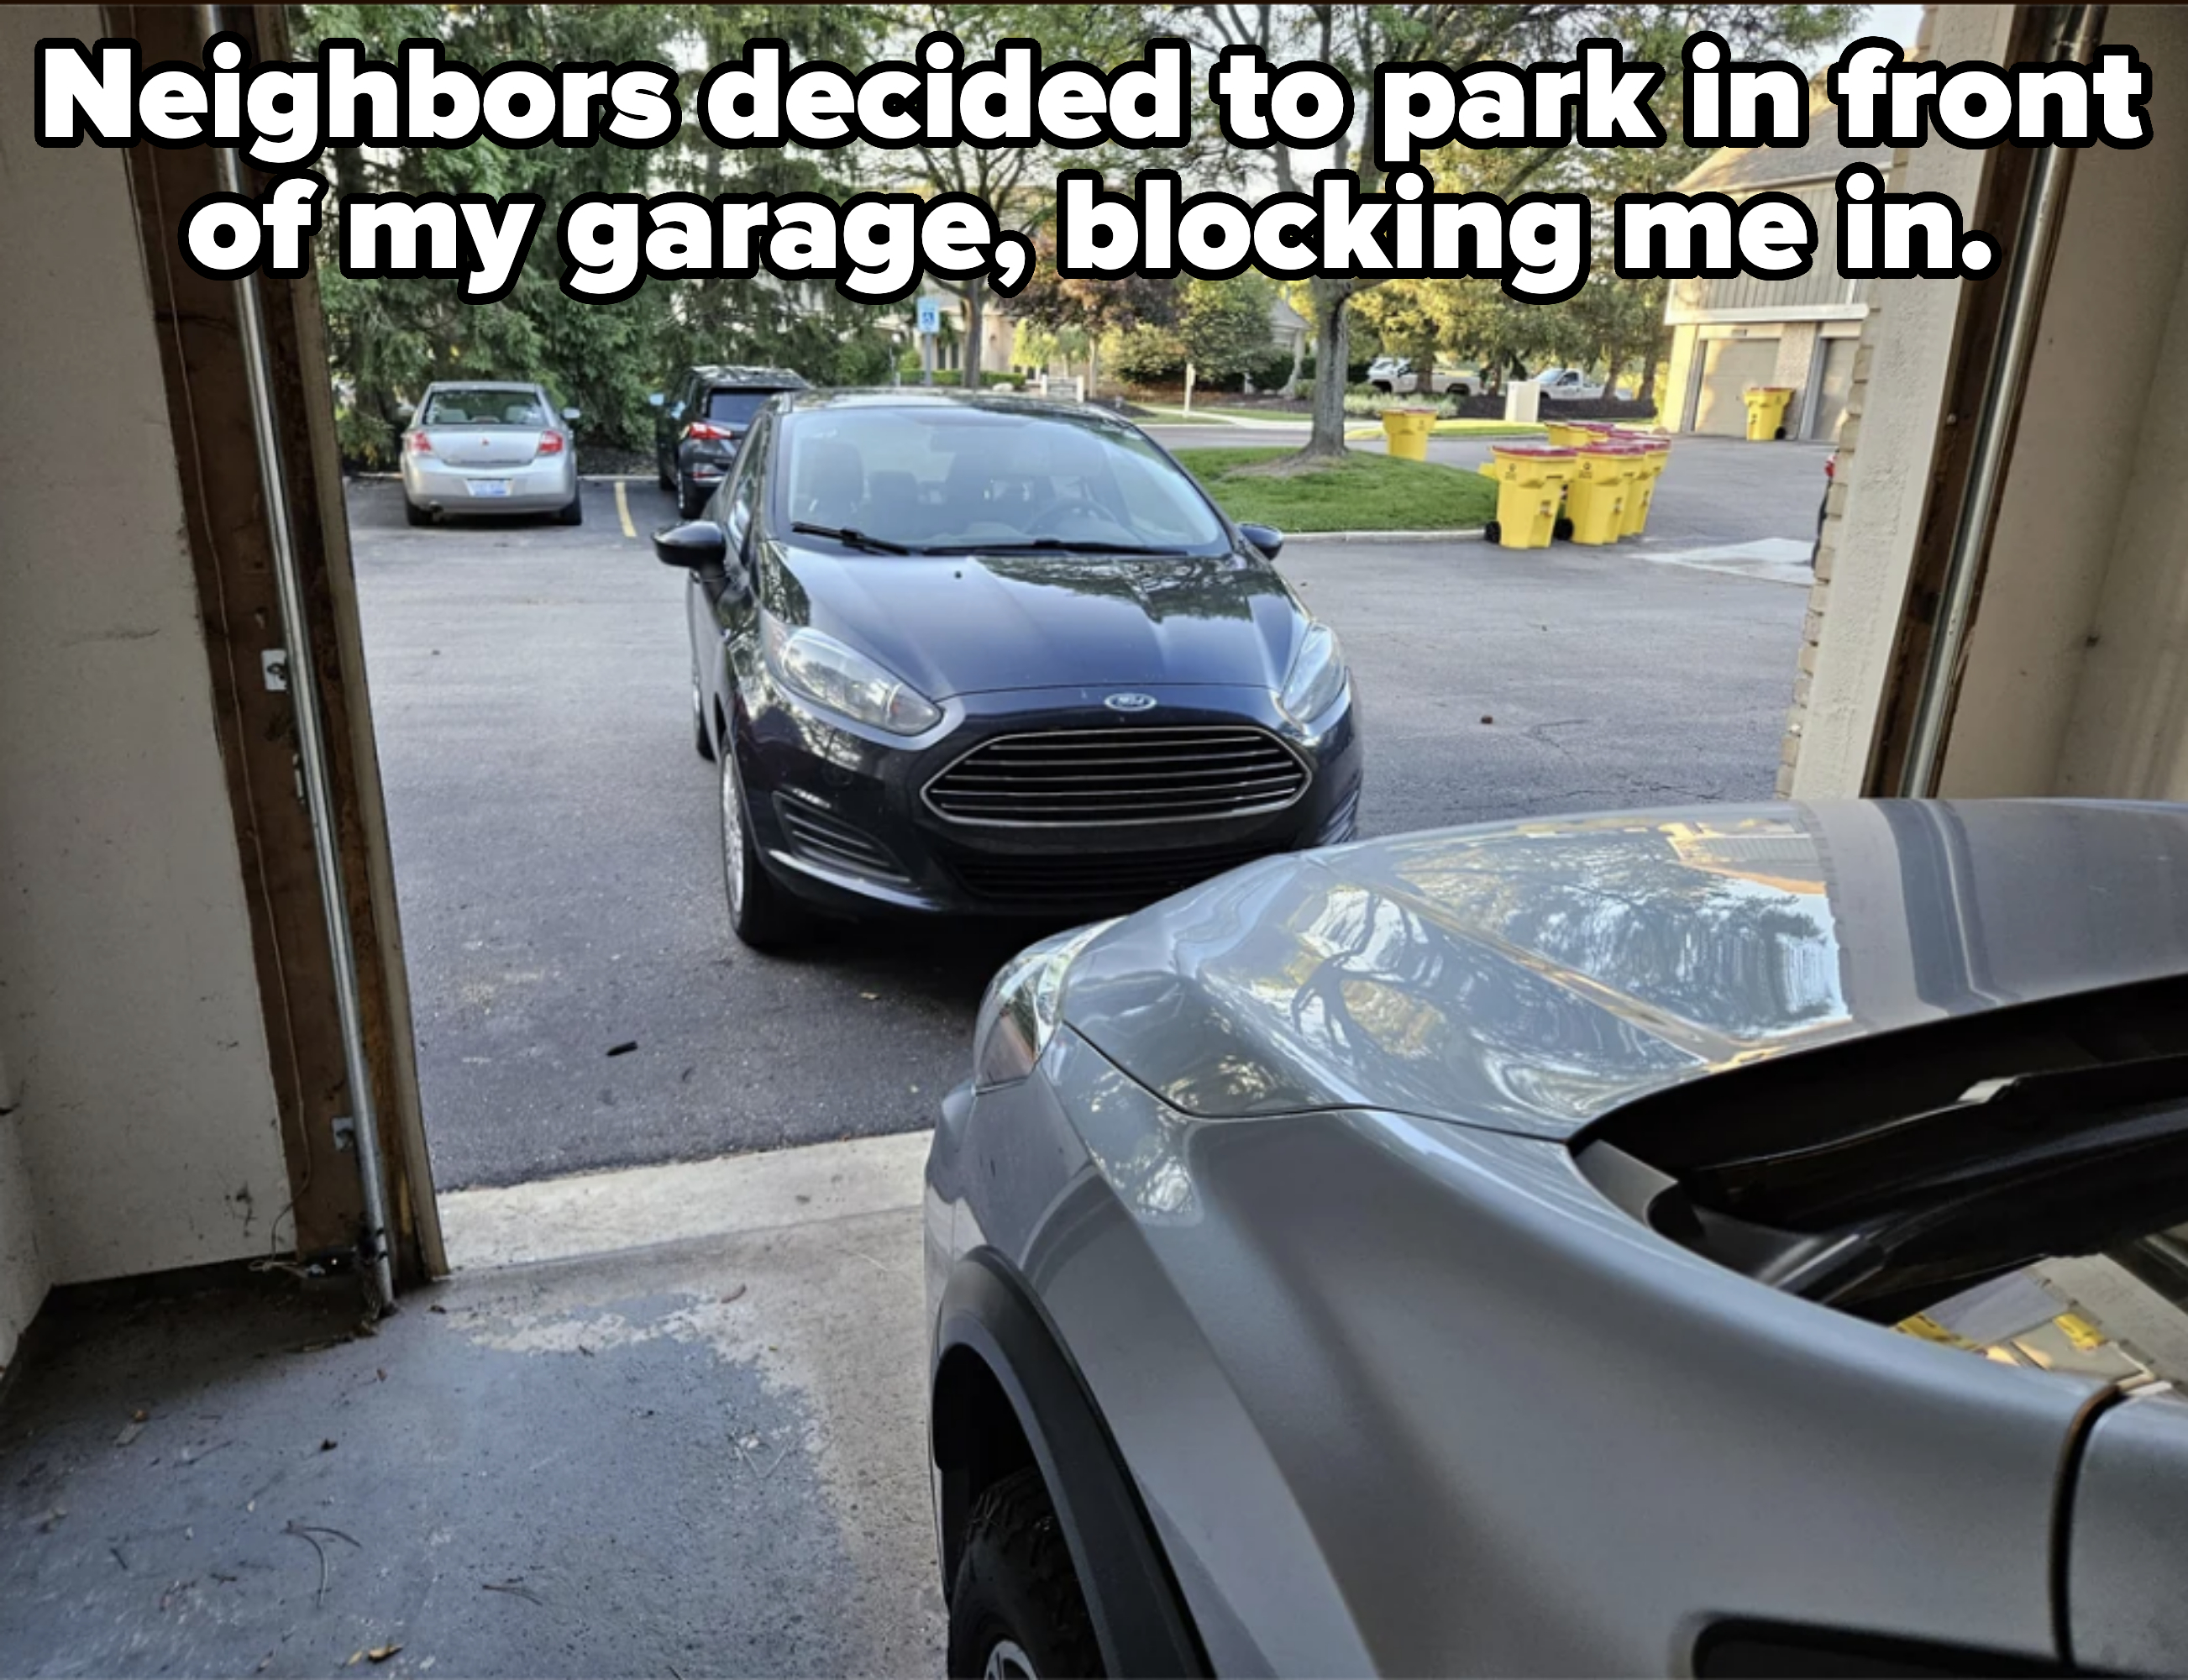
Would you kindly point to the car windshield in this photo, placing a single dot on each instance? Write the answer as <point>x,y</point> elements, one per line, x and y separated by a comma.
<point>485,405</point>
<point>949,479</point>
<point>736,407</point>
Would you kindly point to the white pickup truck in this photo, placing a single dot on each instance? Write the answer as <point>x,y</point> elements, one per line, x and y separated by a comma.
<point>1395,376</point>
<point>1569,384</point>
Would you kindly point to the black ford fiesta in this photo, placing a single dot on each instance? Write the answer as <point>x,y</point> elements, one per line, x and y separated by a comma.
<point>974,654</point>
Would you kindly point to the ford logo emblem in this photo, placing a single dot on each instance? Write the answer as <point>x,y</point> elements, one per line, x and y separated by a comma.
<point>1132,703</point>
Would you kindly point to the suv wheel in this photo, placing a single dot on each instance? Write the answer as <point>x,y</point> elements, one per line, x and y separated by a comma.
<point>690,499</point>
<point>1016,1611</point>
<point>761,914</point>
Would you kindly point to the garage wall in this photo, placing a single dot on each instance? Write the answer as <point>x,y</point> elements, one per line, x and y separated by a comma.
<point>1887,446</point>
<point>22,1279</point>
<point>129,1011</point>
<point>2075,680</point>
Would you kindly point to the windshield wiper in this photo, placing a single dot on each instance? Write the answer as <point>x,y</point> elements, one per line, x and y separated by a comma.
<point>1055,545</point>
<point>848,537</point>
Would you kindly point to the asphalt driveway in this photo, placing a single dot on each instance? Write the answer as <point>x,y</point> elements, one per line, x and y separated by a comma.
<point>579,1001</point>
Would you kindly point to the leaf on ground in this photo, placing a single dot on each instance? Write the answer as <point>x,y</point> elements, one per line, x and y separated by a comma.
<point>381,1652</point>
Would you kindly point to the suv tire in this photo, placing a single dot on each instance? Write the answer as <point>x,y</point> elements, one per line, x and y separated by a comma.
<point>1015,1608</point>
<point>690,499</point>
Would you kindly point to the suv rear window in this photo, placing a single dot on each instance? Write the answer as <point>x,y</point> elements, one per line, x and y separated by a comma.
<point>737,406</point>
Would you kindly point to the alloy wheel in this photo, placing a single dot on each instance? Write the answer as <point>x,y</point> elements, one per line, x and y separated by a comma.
<point>733,837</point>
<point>1007,1661</point>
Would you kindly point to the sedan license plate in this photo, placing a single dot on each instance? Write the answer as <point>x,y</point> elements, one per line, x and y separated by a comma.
<point>490,486</point>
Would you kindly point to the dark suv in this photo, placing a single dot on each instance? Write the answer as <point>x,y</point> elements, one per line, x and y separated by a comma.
<point>698,423</point>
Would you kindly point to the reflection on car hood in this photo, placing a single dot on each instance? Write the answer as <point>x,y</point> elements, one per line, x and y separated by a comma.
<point>1531,977</point>
<point>967,624</point>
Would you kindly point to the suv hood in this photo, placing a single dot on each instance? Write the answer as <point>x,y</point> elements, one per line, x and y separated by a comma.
<point>1529,977</point>
<point>967,624</point>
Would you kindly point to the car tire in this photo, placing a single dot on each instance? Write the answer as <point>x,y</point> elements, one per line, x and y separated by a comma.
<point>761,914</point>
<point>415,515</point>
<point>702,738</point>
<point>574,513</point>
<point>662,473</point>
<point>1015,1608</point>
<point>690,499</point>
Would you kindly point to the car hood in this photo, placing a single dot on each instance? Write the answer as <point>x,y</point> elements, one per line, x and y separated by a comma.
<point>966,624</point>
<point>1531,977</point>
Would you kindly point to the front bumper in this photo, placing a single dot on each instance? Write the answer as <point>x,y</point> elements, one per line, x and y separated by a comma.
<point>539,486</point>
<point>838,813</point>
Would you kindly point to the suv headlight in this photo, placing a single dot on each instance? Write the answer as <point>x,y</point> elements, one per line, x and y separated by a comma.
<point>1023,1004</point>
<point>1317,677</point>
<point>823,670</point>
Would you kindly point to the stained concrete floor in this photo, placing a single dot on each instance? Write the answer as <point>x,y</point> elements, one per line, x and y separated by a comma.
<point>704,1456</point>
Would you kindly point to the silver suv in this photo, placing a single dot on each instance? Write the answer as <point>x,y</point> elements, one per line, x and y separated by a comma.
<point>1738,1240</point>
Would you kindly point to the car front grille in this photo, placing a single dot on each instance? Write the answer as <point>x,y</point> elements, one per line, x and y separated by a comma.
<point>833,843</point>
<point>1083,878</point>
<point>1137,774</point>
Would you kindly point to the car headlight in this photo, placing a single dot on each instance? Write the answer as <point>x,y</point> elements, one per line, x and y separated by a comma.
<point>1317,677</point>
<point>823,670</point>
<point>1023,1004</point>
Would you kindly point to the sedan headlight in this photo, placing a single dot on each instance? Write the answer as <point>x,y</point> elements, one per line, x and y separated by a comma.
<point>1023,1004</point>
<point>1317,677</point>
<point>823,670</point>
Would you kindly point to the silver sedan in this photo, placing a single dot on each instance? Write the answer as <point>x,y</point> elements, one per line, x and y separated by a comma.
<point>1742,1240</point>
<point>484,448</point>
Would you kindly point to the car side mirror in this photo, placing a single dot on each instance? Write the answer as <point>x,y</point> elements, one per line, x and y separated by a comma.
<point>658,400</point>
<point>1265,538</point>
<point>696,546</point>
<point>569,414</point>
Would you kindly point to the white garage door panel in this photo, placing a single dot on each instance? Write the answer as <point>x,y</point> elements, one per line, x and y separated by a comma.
<point>1729,366</point>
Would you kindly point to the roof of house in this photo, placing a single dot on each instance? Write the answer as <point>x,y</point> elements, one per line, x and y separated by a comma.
<point>1748,169</point>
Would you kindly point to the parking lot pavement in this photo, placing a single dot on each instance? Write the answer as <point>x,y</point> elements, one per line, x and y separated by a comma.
<point>556,853</point>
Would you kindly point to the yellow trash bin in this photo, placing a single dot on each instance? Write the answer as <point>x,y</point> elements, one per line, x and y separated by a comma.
<point>1568,435</point>
<point>1652,453</point>
<point>1595,501</point>
<point>1406,430</point>
<point>1765,412</point>
<point>1531,480</point>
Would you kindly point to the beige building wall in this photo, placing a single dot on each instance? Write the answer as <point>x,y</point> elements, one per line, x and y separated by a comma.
<point>143,1135</point>
<point>2073,681</point>
<point>1886,449</point>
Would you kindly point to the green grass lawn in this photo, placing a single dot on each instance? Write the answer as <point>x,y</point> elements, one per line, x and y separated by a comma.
<point>1364,493</point>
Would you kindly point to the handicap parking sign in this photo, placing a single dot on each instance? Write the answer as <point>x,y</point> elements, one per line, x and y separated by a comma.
<point>930,315</point>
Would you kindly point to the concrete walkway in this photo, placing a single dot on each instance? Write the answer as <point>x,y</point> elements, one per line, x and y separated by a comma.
<point>703,1456</point>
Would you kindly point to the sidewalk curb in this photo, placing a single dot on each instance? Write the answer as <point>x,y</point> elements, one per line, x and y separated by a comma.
<point>1471,534</point>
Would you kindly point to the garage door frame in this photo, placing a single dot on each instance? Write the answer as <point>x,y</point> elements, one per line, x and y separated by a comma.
<point>200,327</point>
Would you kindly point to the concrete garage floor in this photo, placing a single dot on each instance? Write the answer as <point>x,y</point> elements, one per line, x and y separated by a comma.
<point>555,839</point>
<point>702,1456</point>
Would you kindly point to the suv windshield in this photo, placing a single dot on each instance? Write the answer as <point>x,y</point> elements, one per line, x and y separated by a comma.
<point>484,405</point>
<point>945,479</point>
<point>733,406</point>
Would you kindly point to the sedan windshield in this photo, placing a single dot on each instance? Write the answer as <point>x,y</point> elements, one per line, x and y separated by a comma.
<point>484,405</point>
<point>965,479</point>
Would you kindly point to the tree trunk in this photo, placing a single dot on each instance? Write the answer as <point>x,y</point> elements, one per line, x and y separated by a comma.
<point>976,310</point>
<point>1333,334</point>
<point>1646,390</point>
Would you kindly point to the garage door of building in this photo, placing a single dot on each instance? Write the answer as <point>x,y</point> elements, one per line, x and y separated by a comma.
<point>1833,380</point>
<point>1729,366</point>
